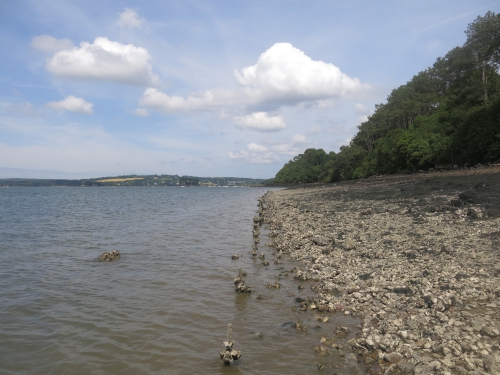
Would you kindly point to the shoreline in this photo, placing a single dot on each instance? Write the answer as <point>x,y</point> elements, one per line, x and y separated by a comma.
<point>415,257</point>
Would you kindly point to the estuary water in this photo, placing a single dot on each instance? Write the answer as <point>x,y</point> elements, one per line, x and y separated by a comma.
<point>164,306</point>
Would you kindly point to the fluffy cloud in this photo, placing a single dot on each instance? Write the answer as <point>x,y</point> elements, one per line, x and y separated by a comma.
<point>104,60</point>
<point>72,103</point>
<point>201,101</point>
<point>260,121</point>
<point>256,154</point>
<point>259,154</point>
<point>130,18</point>
<point>49,44</point>
<point>256,148</point>
<point>141,112</point>
<point>283,75</point>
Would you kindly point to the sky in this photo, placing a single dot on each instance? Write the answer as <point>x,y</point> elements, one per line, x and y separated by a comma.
<point>204,88</point>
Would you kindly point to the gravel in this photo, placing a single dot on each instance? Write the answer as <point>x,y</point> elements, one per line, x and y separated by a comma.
<point>416,257</point>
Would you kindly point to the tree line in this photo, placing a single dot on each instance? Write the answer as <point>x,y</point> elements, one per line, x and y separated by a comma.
<point>447,115</point>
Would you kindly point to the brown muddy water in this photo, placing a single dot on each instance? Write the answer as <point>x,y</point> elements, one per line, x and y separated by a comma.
<point>163,308</point>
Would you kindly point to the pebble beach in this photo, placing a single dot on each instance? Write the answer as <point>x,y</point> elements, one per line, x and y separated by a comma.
<point>415,257</point>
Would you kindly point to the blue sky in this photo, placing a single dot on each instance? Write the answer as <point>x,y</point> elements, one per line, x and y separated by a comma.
<point>205,88</point>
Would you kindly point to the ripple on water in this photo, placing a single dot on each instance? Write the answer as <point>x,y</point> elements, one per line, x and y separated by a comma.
<point>163,308</point>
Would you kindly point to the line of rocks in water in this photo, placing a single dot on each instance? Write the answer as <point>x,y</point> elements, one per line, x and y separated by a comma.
<point>426,282</point>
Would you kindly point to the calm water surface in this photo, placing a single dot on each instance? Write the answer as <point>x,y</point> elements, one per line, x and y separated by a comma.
<point>163,308</point>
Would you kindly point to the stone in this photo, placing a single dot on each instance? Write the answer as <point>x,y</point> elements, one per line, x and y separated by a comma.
<point>321,241</point>
<point>489,363</point>
<point>460,370</point>
<point>489,331</point>
<point>423,370</point>
<point>110,255</point>
<point>349,245</point>
<point>376,370</point>
<point>393,357</point>
<point>406,366</point>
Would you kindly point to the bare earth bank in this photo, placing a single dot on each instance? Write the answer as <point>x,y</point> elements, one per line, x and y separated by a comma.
<point>416,257</point>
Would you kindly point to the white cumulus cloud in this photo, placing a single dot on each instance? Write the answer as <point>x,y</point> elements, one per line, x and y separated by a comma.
<point>260,121</point>
<point>104,60</point>
<point>72,103</point>
<point>130,18</point>
<point>285,73</point>
<point>49,44</point>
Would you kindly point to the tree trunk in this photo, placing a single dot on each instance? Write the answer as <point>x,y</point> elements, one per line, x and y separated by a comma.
<point>485,83</point>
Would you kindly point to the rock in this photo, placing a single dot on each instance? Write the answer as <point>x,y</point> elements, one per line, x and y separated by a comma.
<point>393,357</point>
<point>489,363</point>
<point>349,245</point>
<point>436,365</point>
<point>490,331</point>
<point>406,366</point>
<point>448,249</point>
<point>239,284</point>
<point>110,255</point>
<point>423,370</point>
<point>342,332</point>
<point>421,342</point>
<point>322,241</point>
<point>234,257</point>
<point>376,370</point>
<point>476,212</point>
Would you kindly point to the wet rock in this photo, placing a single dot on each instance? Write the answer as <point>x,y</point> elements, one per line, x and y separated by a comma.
<point>110,255</point>
<point>239,283</point>
<point>341,332</point>
<point>228,355</point>
<point>276,285</point>
<point>477,212</point>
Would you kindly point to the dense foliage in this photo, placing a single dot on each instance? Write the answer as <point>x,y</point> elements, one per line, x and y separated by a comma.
<point>446,115</point>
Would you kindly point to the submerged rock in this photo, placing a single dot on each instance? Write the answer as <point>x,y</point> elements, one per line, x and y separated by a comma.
<point>110,255</point>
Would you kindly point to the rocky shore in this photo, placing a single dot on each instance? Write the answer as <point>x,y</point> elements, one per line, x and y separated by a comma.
<point>416,257</point>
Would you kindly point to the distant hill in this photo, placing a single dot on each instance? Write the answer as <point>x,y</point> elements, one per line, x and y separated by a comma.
<point>136,180</point>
